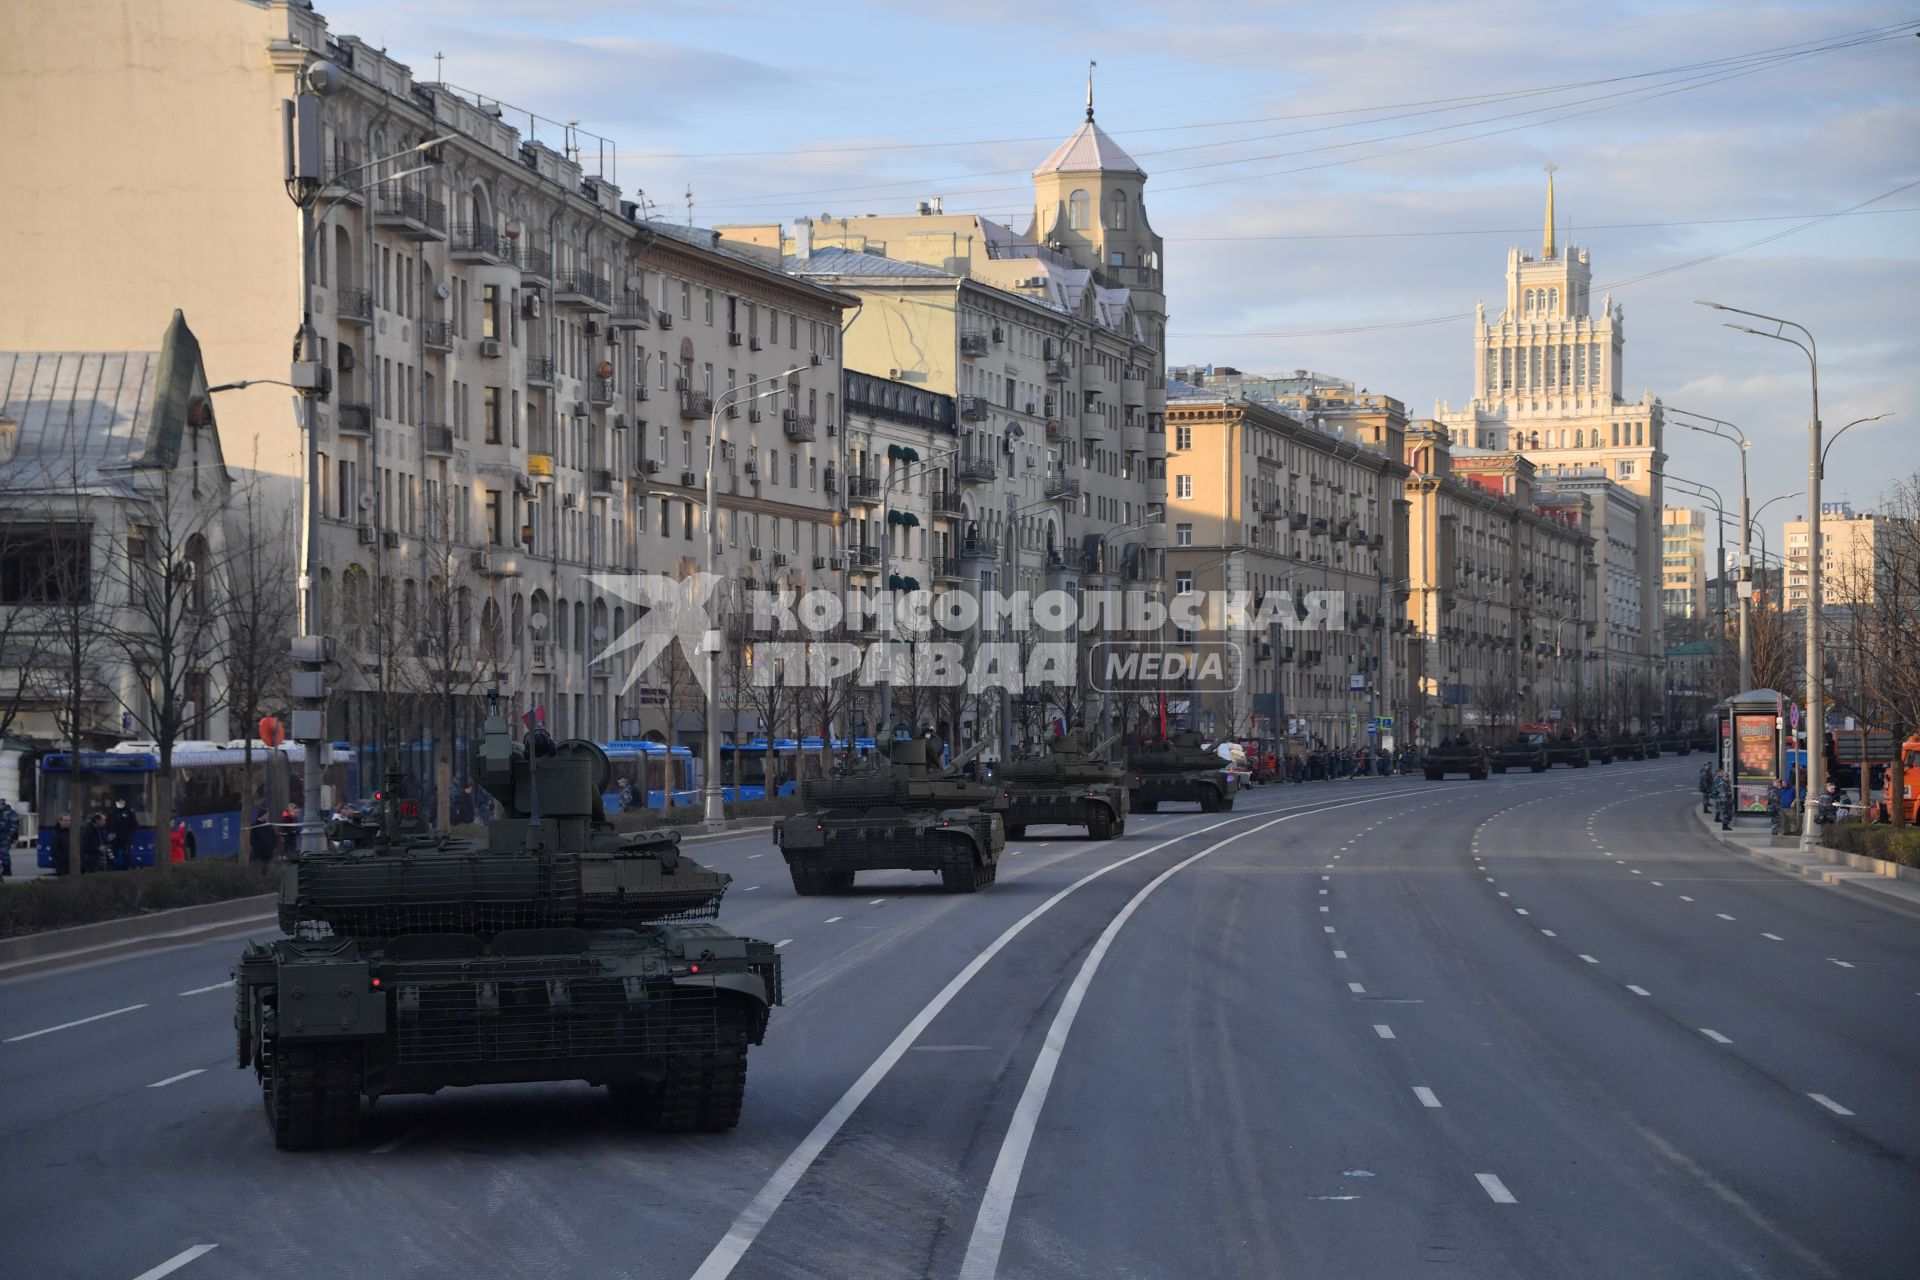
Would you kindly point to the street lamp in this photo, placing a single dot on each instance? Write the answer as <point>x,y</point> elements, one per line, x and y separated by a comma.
<point>1719,429</point>
<point>1816,712</point>
<point>886,577</point>
<point>716,813</point>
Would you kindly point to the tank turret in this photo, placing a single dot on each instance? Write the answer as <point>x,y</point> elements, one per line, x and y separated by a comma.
<point>1066,784</point>
<point>1178,768</point>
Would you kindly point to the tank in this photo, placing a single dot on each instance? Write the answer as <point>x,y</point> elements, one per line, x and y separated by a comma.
<point>1599,749</point>
<point>1456,755</point>
<point>1523,752</point>
<point>1177,769</point>
<point>901,812</point>
<point>1629,746</point>
<point>1568,750</point>
<point>1066,784</point>
<point>1677,743</point>
<point>555,949</point>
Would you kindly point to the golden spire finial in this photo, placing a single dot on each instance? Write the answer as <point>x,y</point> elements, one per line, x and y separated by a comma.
<point>1546,245</point>
<point>1090,66</point>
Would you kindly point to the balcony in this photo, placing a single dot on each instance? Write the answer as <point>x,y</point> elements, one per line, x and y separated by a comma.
<point>1061,486</point>
<point>1156,446</point>
<point>353,306</point>
<point>354,418</point>
<point>1056,430</point>
<point>975,344</point>
<point>1157,399</point>
<point>478,242</point>
<point>694,404</point>
<point>345,176</point>
<point>1273,509</point>
<point>601,481</point>
<point>798,426</point>
<point>1093,423</point>
<point>1058,371</point>
<point>600,390</point>
<point>946,504</point>
<point>437,438</point>
<point>583,290</point>
<point>863,489</point>
<point>1133,436</point>
<point>402,207</point>
<point>1133,393</point>
<point>535,264</point>
<point>863,559</point>
<point>948,568</point>
<point>1062,574</point>
<point>973,408</point>
<point>540,371</point>
<point>436,335</point>
<point>979,547</point>
<point>632,311</point>
<point>975,469</point>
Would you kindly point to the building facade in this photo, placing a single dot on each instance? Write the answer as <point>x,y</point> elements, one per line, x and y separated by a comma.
<point>1855,565</point>
<point>1549,383</point>
<point>1683,570</point>
<point>1262,504</point>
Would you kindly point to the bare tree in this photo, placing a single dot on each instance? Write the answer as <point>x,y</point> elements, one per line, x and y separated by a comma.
<point>451,659</point>
<point>24,646</point>
<point>257,587</point>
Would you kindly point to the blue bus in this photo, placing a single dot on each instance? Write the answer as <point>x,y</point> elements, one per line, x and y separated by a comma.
<point>645,763</point>
<point>208,782</point>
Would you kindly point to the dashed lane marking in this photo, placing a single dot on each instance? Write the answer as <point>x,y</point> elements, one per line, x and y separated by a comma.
<point>176,1262</point>
<point>1723,915</point>
<point>1639,991</point>
<point>1589,959</point>
<point>1519,911</point>
<point>184,1075</point>
<point>1425,1095</point>
<point>218,986</point>
<point>1549,933</point>
<point>876,902</point>
<point>783,942</point>
<point>1382,1030</point>
<point>1714,1036</point>
<point>1830,1104</point>
<point>1842,963</point>
<point>834,919</point>
<point>1773,937</point>
<point>1341,955</point>
<point>1496,1190</point>
<point>1358,989</point>
<point>77,1022</point>
<point>1685,898</point>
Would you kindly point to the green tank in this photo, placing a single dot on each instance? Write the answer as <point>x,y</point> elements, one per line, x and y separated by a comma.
<point>1456,755</point>
<point>1523,752</point>
<point>1628,746</point>
<point>1599,749</point>
<point>1065,784</point>
<point>1568,750</point>
<point>1177,769</point>
<point>555,949</point>
<point>901,812</point>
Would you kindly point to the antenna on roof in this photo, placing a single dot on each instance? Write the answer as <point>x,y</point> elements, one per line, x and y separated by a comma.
<point>1091,64</point>
<point>689,204</point>
<point>440,69</point>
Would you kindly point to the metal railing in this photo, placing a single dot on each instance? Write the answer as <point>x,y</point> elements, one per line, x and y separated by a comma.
<point>436,335</point>
<point>353,306</point>
<point>437,437</point>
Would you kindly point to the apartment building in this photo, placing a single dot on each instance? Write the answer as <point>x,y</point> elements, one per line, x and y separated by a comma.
<point>526,369</point>
<point>1502,592</point>
<point>1855,565</point>
<point>1683,569</point>
<point>1263,504</point>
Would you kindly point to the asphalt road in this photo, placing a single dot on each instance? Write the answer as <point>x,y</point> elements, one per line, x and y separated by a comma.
<point>1535,1026</point>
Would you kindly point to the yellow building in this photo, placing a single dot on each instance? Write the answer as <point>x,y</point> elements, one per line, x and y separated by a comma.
<point>1683,568</point>
<point>1854,565</point>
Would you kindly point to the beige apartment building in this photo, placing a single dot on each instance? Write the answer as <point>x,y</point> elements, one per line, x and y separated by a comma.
<point>1263,504</point>
<point>1549,382</point>
<point>1683,569</point>
<point>525,368</point>
<point>1854,564</point>
<point>1502,592</point>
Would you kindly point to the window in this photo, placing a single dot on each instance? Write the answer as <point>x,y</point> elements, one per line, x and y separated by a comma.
<point>490,413</point>
<point>1183,437</point>
<point>709,306</point>
<point>493,516</point>
<point>686,301</point>
<point>1626,468</point>
<point>490,311</point>
<point>1077,211</point>
<point>1183,583</point>
<point>1183,486</point>
<point>47,564</point>
<point>1183,535</point>
<point>1117,214</point>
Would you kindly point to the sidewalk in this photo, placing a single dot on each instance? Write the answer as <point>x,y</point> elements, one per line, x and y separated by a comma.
<point>1868,878</point>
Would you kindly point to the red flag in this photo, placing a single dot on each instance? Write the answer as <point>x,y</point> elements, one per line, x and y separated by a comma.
<point>535,719</point>
<point>1163,713</point>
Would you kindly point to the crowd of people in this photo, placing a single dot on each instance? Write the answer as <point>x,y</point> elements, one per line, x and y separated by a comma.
<point>1322,763</point>
<point>1719,797</point>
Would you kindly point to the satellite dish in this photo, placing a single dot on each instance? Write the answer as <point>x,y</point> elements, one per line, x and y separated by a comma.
<point>366,502</point>
<point>443,291</point>
<point>636,282</point>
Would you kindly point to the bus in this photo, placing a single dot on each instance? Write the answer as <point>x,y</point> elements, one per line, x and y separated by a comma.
<point>646,763</point>
<point>208,782</point>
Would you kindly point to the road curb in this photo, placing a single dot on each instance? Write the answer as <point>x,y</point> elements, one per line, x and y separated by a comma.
<point>1868,885</point>
<point>53,947</point>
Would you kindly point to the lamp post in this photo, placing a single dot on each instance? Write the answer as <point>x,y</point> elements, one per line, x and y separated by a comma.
<point>1719,429</point>
<point>716,813</point>
<point>886,578</point>
<point>1815,711</point>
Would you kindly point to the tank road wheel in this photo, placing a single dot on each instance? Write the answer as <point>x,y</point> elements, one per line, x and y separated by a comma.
<point>699,1093</point>
<point>1537,768</point>
<point>1101,824</point>
<point>1477,775</point>
<point>810,876</point>
<point>312,1094</point>
<point>837,881</point>
<point>1433,775</point>
<point>960,869</point>
<point>1211,801</point>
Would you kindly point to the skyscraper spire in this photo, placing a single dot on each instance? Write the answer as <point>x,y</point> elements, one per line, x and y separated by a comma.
<point>1546,245</point>
<point>1091,64</point>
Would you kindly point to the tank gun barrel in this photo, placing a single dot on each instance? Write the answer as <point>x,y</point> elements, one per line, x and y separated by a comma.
<point>1104,745</point>
<point>965,758</point>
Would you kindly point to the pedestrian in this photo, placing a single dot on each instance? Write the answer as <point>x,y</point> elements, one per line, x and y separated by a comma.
<point>261,839</point>
<point>629,798</point>
<point>94,847</point>
<point>1706,787</point>
<point>177,841</point>
<point>122,825</point>
<point>460,806</point>
<point>9,832</point>
<point>61,842</point>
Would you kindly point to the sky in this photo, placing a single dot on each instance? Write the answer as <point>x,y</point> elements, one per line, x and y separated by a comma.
<point>1337,184</point>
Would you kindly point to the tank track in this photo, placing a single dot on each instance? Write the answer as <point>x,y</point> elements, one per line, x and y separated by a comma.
<point>312,1095</point>
<point>962,872</point>
<point>812,876</point>
<point>700,1092</point>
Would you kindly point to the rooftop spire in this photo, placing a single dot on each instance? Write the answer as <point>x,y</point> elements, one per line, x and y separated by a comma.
<point>1091,64</point>
<point>1546,245</point>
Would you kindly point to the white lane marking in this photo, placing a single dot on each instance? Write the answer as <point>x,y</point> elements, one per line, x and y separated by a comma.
<point>1341,955</point>
<point>1326,877</point>
<point>1639,991</point>
<point>783,942</point>
<point>1496,1190</point>
<point>184,1075</point>
<point>1425,1095</point>
<point>1519,911</point>
<point>393,1144</point>
<point>1357,988</point>
<point>982,1260</point>
<point>1636,871</point>
<point>752,856</point>
<point>1382,1030</point>
<point>1656,884</point>
<point>1326,928</point>
<point>218,986</point>
<point>77,1022</point>
<point>876,902</point>
<point>1325,908</point>
<point>1501,892</point>
<point>1773,937</point>
<point>1685,898</point>
<point>834,919</point>
<point>1549,933</point>
<point>1589,959</point>
<point>1830,1104</point>
<point>1842,963</point>
<point>1723,915</point>
<point>176,1262</point>
<point>750,888</point>
<point>1714,1036</point>
<point>747,1225</point>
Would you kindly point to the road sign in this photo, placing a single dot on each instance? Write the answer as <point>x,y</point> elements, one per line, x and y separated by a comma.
<point>1385,722</point>
<point>1793,714</point>
<point>1863,746</point>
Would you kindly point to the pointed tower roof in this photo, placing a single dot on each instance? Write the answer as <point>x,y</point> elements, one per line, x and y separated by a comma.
<point>1089,149</point>
<point>1546,243</point>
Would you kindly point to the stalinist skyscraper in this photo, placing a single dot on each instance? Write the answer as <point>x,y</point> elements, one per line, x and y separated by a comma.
<point>1547,381</point>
